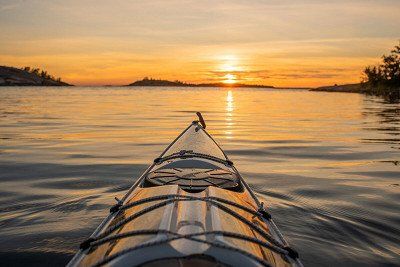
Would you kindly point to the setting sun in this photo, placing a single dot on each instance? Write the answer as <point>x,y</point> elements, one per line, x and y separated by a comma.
<point>228,69</point>
<point>229,78</point>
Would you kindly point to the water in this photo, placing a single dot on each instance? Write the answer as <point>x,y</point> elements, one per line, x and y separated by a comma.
<point>326,164</point>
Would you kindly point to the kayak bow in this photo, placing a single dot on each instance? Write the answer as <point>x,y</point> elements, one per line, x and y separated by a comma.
<point>191,207</point>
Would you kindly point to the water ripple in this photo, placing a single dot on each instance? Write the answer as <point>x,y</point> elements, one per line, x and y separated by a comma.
<point>325,165</point>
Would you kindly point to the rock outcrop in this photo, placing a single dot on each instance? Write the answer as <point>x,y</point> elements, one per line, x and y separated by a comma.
<point>10,76</point>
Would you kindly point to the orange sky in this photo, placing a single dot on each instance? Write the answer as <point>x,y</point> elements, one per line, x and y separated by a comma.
<point>280,43</point>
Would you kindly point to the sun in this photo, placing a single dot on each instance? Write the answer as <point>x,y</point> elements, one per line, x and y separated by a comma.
<point>228,69</point>
<point>229,79</point>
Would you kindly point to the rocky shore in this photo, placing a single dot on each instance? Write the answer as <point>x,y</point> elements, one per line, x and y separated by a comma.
<point>10,76</point>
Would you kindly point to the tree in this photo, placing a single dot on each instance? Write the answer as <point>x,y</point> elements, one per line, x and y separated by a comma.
<point>373,75</point>
<point>35,71</point>
<point>41,73</point>
<point>384,79</point>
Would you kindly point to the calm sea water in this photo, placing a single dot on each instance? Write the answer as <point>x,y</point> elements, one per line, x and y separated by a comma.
<point>327,164</point>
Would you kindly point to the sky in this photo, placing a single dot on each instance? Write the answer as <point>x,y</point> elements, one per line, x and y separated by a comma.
<point>302,43</point>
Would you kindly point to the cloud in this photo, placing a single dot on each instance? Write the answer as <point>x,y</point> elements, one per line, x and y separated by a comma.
<point>304,75</point>
<point>9,5</point>
<point>258,75</point>
<point>305,41</point>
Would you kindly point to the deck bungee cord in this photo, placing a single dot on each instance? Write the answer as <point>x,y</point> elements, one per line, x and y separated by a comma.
<point>171,199</point>
<point>186,154</point>
<point>276,247</point>
<point>192,238</point>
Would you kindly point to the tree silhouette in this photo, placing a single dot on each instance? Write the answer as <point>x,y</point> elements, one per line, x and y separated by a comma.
<point>384,79</point>
<point>41,73</point>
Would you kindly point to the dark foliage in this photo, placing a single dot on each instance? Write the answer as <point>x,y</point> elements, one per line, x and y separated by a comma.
<point>384,79</point>
<point>41,73</point>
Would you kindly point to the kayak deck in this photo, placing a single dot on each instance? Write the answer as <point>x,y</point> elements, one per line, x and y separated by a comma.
<point>190,208</point>
<point>182,217</point>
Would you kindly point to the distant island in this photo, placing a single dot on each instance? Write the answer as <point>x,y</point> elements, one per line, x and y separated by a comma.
<point>27,76</point>
<point>382,80</point>
<point>344,88</point>
<point>158,82</point>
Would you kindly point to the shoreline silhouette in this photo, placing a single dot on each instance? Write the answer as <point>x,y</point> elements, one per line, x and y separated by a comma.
<point>160,82</point>
<point>11,76</point>
<point>380,80</point>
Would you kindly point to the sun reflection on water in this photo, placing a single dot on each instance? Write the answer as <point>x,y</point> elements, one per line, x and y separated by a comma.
<point>229,114</point>
<point>299,148</point>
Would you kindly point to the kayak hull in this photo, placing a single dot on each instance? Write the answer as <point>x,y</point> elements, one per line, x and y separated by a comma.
<point>190,208</point>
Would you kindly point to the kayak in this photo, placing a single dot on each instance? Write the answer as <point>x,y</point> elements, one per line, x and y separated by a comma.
<point>191,207</point>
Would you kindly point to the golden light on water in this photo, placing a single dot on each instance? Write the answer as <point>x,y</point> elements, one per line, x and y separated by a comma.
<point>229,114</point>
<point>229,103</point>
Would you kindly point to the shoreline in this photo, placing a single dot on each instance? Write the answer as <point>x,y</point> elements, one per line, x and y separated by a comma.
<point>344,88</point>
